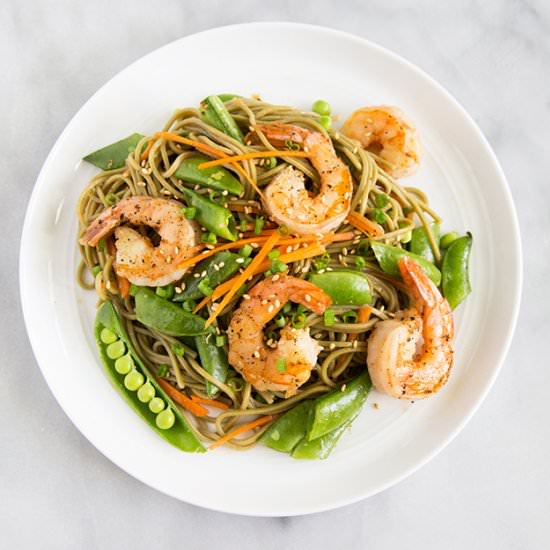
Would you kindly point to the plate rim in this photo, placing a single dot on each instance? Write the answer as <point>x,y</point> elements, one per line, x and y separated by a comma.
<point>517,274</point>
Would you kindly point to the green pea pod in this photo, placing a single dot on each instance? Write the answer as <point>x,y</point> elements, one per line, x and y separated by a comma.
<point>420,244</point>
<point>166,317</point>
<point>288,430</point>
<point>338,407</point>
<point>169,423</point>
<point>321,447</point>
<point>213,360</point>
<point>214,217</point>
<point>455,270</point>
<point>344,287</point>
<point>114,156</point>
<point>214,177</point>
<point>214,112</point>
<point>230,264</point>
<point>388,257</point>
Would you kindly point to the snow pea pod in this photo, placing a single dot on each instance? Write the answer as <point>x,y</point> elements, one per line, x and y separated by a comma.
<point>455,270</point>
<point>420,244</point>
<point>212,216</point>
<point>338,407</point>
<point>166,317</point>
<point>213,112</point>
<point>213,360</point>
<point>132,379</point>
<point>345,287</point>
<point>219,268</point>
<point>114,155</point>
<point>214,177</point>
<point>388,257</point>
<point>288,430</point>
<point>321,447</point>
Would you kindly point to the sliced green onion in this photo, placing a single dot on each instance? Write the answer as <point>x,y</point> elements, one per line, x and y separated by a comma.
<point>163,370</point>
<point>277,266</point>
<point>379,215</point>
<point>96,269</point>
<point>245,251</point>
<point>281,364</point>
<point>360,262</point>
<point>111,199</point>
<point>274,254</point>
<point>220,341</point>
<point>243,226</point>
<point>381,200</point>
<point>189,212</point>
<point>209,238</point>
<point>177,349</point>
<point>166,292</point>
<point>280,321</point>
<point>329,318</point>
<point>349,317</point>
<point>258,225</point>
<point>204,287</point>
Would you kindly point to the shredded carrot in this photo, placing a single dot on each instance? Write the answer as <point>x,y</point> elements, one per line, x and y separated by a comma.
<point>241,429</point>
<point>123,287</point>
<point>372,229</point>
<point>363,314</point>
<point>180,399</point>
<point>253,155</point>
<point>312,250</point>
<point>264,251</point>
<point>147,150</point>
<point>211,402</point>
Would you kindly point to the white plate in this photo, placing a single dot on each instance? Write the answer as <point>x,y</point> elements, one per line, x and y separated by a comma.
<point>292,64</point>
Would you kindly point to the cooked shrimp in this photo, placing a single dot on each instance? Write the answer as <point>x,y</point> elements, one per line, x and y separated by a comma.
<point>397,365</point>
<point>286,199</point>
<point>288,365</point>
<point>136,258</point>
<point>387,132</point>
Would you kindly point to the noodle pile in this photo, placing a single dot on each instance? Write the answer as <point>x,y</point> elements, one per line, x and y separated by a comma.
<point>343,343</point>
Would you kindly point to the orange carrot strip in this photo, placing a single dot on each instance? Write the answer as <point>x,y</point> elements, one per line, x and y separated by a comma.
<point>181,399</point>
<point>241,429</point>
<point>253,155</point>
<point>363,314</point>
<point>372,229</point>
<point>211,402</point>
<point>123,286</point>
<point>301,254</point>
<point>147,150</point>
<point>264,251</point>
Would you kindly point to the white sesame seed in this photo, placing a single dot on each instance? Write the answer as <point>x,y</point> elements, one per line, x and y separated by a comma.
<point>288,249</point>
<point>141,183</point>
<point>345,251</point>
<point>254,245</point>
<point>275,277</point>
<point>270,308</point>
<point>177,250</point>
<point>263,302</point>
<point>182,286</point>
<point>168,259</point>
<point>197,187</point>
<point>203,274</point>
<point>246,296</point>
<point>239,261</point>
<point>210,247</point>
<point>108,285</point>
<point>277,303</point>
<point>355,342</point>
<point>308,298</point>
<point>256,354</point>
<point>343,388</point>
<point>196,275</point>
<point>225,192</point>
<point>332,346</point>
<point>321,271</point>
<point>216,267</point>
<point>178,290</point>
<point>214,306</point>
<point>221,264</point>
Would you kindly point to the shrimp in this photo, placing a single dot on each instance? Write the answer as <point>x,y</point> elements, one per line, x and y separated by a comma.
<point>396,364</point>
<point>387,132</point>
<point>288,365</point>
<point>286,199</point>
<point>136,258</point>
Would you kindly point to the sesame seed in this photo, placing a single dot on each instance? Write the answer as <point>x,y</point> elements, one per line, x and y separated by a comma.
<point>203,274</point>
<point>214,306</point>
<point>354,345</point>
<point>343,388</point>
<point>197,187</point>
<point>277,303</point>
<point>256,354</point>
<point>289,249</point>
<point>168,259</point>
<point>270,308</point>
<point>177,250</point>
<point>275,277</point>
<point>321,271</point>
<point>196,275</point>
<point>332,346</point>
<point>141,183</point>
<point>345,251</point>
<point>216,267</point>
<point>210,247</point>
<point>247,210</point>
<point>329,269</point>
<point>178,290</point>
<point>225,192</point>
<point>239,261</point>
<point>254,245</point>
<point>263,302</point>
<point>221,264</point>
<point>308,298</point>
<point>246,296</point>
<point>182,286</point>
<point>108,285</point>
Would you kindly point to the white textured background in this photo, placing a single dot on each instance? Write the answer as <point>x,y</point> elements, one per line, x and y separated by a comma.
<point>489,489</point>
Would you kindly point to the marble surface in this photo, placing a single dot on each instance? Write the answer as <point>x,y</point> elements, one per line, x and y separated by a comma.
<point>489,489</point>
